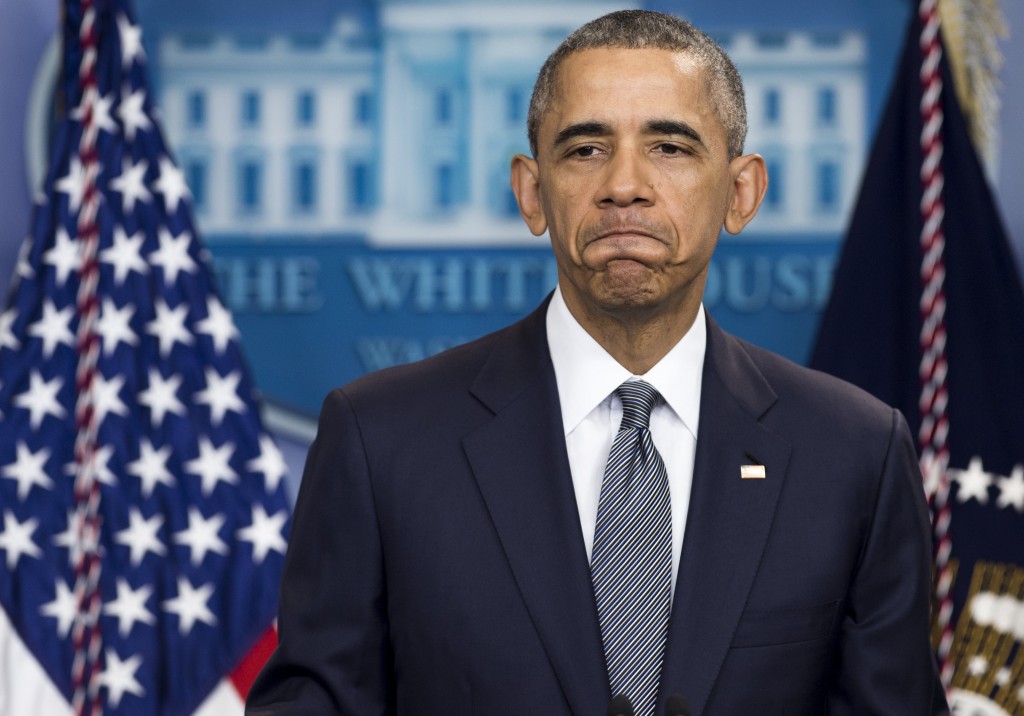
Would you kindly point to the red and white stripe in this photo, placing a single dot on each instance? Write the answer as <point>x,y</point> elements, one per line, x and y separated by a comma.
<point>86,635</point>
<point>933,403</point>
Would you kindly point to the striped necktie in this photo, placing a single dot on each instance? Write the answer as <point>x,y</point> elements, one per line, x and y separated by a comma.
<point>631,565</point>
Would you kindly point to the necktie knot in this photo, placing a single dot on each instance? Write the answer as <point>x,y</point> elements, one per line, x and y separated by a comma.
<point>638,399</point>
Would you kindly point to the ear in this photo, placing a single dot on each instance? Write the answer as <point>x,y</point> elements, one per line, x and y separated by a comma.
<point>526,186</point>
<point>749,184</point>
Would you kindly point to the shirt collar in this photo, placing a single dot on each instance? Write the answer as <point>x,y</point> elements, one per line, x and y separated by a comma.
<point>587,374</point>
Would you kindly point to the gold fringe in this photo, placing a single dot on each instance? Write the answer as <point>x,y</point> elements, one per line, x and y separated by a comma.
<point>970,30</point>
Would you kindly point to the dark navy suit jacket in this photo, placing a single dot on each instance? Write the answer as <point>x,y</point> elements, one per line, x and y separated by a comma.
<point>437,565</point>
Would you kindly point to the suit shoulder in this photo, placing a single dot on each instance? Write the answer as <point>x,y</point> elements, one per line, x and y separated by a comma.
<point>816,394</point>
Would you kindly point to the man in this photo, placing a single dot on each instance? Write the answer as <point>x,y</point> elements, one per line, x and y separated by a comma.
<point>757,542</point>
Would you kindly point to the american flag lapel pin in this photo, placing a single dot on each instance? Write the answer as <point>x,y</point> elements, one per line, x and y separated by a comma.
<point>752,472</point>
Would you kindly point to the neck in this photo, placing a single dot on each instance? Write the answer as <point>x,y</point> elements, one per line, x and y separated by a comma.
<point>636,339</point>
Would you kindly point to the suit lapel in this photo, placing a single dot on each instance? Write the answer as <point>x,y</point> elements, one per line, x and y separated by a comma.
<point>520,464</point>
<point>728,521</point>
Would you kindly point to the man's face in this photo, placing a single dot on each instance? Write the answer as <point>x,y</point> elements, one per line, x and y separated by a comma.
<point>632,180</point>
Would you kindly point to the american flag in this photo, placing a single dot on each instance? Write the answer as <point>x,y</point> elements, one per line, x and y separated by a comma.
<point>143,518</point>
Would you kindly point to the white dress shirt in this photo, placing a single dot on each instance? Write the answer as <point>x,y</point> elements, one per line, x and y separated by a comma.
<point>587,377</point>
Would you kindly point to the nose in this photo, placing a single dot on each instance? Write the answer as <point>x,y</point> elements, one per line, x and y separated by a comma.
<point>627,180</point>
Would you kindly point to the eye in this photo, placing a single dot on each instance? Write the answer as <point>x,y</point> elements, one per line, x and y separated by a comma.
<point>671,149</point>
<point>586,150</point>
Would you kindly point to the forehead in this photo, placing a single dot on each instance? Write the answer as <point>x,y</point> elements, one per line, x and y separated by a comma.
<point>622,86</point>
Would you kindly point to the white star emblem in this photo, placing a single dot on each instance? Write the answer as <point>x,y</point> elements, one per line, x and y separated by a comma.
<point>132,112</point>
<point>73,184</point>
<point>1011,490</point>
<point>53,328</point>
<point>190,605</point>
<point>217,324</point>
<point>64,608</point>
<point>77,540</point>
<point>264,533</point>
<point>131,41</point>
<point>221,394</point>
<point>41,399</point>
<point>202,536</point>
<point>172,255</point>
<point>151,467</point>
<point>212,465</point>
<point>171,184</point>
<point>125,254</point>
<point>65,256</point>
<point>130,606</point>
<point>101,466</point>
<point>169,326</point>
<point>16,539</point>
<point>28,470</point>
<point>106,397</point>
<point>973,481</point>
<point>1003,676</point>
<point>131,184</point>
<point>977,666</point>
<point>270,462</point>
<point>119,677</point>
<point>7,339</point>
<point>161,397</point>
<point>114,326</point>
<point>101,107</point>
<point>24,268</point>
<point>140,536</point>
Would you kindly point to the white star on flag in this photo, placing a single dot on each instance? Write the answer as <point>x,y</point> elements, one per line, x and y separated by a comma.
<point>133,113</point>
<point>119,677</point>
<point>270,462</point>
<point>974,482</point>
<point>65,256</point>
<point>130,606</point>
<point>53,328</point>
<point>217,324</point>
<point>140,536</point>
<point>73,184</point>
<point>106,397</point>
<point>7,337</point>
<point>221,394</point>
<point>264,533</point>
<point>16,539</point>
<point>131,184</point>
<point>151,467</point>
<point>63,608</point>
<point>212,465</point>
<point>101,466</point>
<point>69,539</point>
<point>1011,490</point>
<point>101,107</point>
<point>161,396</point>
<point>171,184</point>
<point>41,399</point>
<point>190,605</point>
<point>201,536</point>
<point>131,41</point>
<point>125,254</point>
<point>169,326</point>
<point>114,326</point>
<point>172,256</point>
<point>27,469</point>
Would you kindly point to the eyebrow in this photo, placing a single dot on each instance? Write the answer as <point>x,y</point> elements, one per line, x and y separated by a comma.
<point>670,126</point>
<point>600,129</point>
<point>582,129</point>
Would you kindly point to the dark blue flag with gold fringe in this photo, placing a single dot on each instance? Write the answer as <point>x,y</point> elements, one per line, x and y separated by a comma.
<point>927,313</point>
